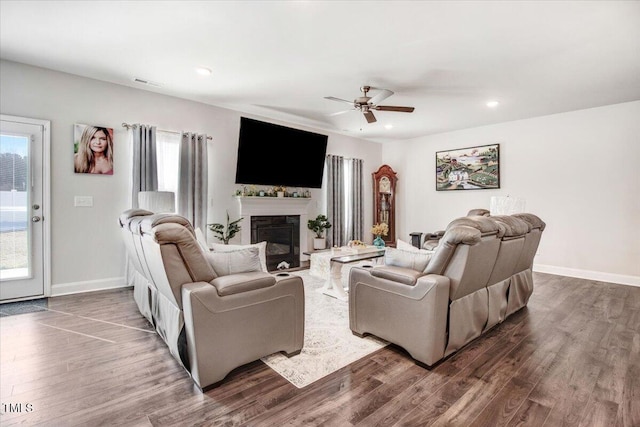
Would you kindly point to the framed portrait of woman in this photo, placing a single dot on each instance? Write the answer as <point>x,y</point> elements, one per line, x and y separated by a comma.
<point>92,149</point>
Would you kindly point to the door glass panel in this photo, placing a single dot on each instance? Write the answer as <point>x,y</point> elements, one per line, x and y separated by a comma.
<point>15,230</point>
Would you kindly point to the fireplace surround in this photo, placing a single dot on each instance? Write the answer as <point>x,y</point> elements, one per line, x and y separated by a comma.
<point>282,234</point>
<point>250,207</point>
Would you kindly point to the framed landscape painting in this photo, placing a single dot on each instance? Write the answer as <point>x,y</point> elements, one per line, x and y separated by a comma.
<point>473,168</point>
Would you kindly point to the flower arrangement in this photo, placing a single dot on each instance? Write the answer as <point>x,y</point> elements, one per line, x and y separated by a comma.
<point>279,188</point>
<point>356,244</point>
<point>380,229</point>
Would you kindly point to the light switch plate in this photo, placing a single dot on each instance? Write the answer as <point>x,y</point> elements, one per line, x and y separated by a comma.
<point>83,201</point>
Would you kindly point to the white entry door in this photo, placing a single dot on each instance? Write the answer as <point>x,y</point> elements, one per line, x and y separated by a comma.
<point>24,145</point>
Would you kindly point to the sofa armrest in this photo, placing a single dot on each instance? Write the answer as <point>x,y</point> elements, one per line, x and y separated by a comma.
<point>224,332</point>
<point>413,317</point>
<point>405,276</point>
<point>242,282</point>
<point>424,284</point>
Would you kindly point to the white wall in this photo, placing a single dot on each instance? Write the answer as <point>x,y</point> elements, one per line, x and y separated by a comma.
<point>578,171</point>
<point>87,252</point>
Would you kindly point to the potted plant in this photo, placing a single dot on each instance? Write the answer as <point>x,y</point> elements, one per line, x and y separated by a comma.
<point>225,235</point>
<point>279,190</point>
<point>318,226</point>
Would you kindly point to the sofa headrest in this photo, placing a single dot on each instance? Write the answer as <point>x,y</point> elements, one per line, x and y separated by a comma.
<point>484,224</point>
<point>126,216</point>
<point>168,232</point>
<point>533,220</point>
<point>478,212</point>
<point>454,236</point>
<point>514,226</point>
<point>182,257</point>
<point>462,234</point>
<point>164,218</point>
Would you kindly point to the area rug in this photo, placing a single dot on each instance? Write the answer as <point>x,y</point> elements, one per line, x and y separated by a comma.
<point>328,342</point>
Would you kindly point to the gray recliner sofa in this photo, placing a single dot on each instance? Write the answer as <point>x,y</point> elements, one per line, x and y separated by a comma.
<point>479,274</point>
<point>212,323</point>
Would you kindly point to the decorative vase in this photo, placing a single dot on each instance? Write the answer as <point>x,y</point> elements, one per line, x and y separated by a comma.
<point>319,243</point>
<point>378,242</point>
<point>280,193</point>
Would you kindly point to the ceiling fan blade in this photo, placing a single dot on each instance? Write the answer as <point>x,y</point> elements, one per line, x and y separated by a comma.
<point>384,94</point>
<point>332,98</point>
<point>393,108</point>
<point>341,112</point>
<point>369,116</point>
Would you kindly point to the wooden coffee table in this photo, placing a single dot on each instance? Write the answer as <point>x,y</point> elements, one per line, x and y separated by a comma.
<point>337,259</point>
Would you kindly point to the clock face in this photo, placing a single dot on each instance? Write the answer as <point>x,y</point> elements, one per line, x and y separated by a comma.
<point>385,185</point>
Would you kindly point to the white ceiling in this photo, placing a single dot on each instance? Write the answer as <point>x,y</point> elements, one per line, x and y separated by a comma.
<point>279,59</point>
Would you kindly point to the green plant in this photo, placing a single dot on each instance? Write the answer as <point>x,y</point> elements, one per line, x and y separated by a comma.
<point>318,225</point>
<point>225,235</point>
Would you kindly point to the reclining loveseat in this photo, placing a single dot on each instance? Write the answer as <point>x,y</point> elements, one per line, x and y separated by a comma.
<point>433,304</point>
<point>215,311</point>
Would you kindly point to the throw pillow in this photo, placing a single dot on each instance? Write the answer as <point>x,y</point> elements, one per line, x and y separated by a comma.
<point>262,250</point>
<point>405,246</point>
<point>234,262</point>
<point>415,260</point>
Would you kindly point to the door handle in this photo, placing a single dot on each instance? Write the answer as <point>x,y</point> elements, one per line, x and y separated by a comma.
<point>35,219</point>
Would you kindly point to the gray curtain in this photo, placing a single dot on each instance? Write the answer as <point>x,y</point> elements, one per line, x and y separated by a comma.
<point>145,164</point>
<point>335,200</point>
<point>356,219</point>
<point>192,185</point>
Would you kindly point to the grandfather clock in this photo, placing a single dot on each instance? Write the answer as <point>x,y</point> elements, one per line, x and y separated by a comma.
<point>384,201</point>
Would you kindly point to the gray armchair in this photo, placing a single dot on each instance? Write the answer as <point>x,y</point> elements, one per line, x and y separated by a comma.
<point>212,323</point>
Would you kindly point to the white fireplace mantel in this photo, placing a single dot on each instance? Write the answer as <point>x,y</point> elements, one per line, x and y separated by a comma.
<point>265,206</point>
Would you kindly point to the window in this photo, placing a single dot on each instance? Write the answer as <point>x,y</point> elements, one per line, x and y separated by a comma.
<point>168,156</point>
<point>344,198</point>
<point>348,225</point>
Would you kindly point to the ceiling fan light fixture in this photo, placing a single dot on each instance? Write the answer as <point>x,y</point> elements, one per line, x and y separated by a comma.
<point>493,103</point>
<point>366,104</point>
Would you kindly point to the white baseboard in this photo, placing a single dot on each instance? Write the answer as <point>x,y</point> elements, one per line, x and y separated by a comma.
<point>588,274</point>
<point>87,286</point>
<point>119,282</point>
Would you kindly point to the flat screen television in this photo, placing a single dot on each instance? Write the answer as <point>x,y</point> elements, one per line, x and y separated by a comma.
<point>270,154</point>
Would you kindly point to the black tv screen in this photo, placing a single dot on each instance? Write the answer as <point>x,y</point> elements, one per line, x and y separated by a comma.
<point>270,154</point>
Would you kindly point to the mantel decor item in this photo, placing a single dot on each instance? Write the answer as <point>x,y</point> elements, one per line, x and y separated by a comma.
<point>318,226</point>
<point>223,233</point>
<point>279,190</point>
<point>473,168</point>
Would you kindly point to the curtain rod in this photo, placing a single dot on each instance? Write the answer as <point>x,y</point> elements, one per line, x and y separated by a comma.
<point>128,126</point>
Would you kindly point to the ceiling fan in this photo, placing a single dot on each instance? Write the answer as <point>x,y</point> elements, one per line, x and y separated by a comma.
<point>367,104</point>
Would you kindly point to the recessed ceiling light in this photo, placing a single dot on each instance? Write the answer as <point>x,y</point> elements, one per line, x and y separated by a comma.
<point>493,104</point>
<point>203,71</point>
<point>388,126</point>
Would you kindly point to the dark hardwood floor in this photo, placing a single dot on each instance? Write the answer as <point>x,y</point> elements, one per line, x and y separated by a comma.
<point>572,357</point>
